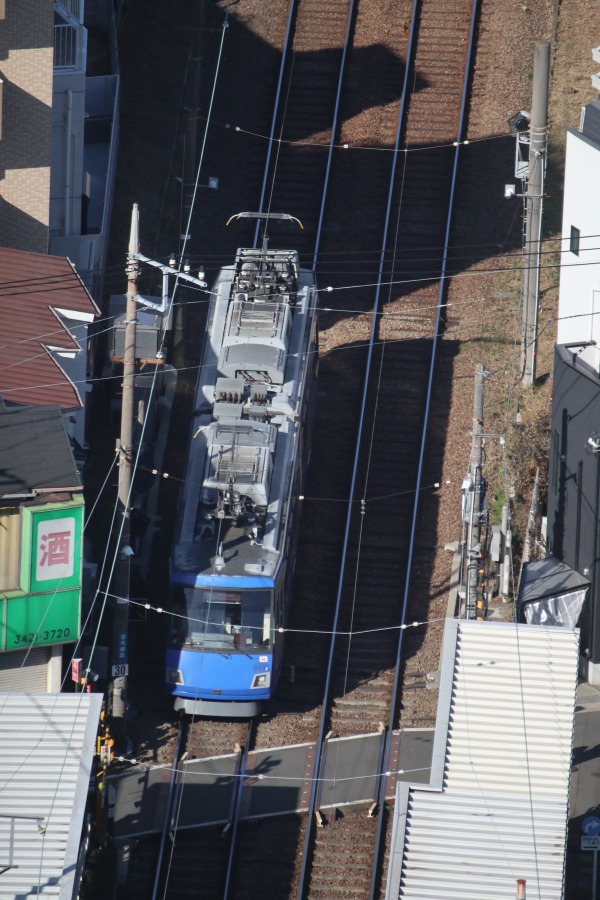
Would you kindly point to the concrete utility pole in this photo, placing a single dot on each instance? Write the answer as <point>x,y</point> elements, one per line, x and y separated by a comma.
<point>538,142</point>
<point>120,662</point>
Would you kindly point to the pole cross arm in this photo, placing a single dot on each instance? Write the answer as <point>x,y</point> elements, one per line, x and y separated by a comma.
<point>171,270</point>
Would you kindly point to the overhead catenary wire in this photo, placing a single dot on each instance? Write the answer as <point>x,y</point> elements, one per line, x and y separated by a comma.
<point>186,771</point>
<point>338,349</point>
<point>51,284</point>
<point>329,289</point>
<point>159,610</point>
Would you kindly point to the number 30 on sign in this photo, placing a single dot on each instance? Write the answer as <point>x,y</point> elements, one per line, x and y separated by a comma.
<point>120,669</point>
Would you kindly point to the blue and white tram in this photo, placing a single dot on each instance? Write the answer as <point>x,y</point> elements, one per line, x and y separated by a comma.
<point>234,549</point>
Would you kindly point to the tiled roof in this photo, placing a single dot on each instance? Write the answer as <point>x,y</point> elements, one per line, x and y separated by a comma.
<point>32,285</point>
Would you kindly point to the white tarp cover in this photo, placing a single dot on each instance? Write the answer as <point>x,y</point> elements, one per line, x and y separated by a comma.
<point>562,611</point>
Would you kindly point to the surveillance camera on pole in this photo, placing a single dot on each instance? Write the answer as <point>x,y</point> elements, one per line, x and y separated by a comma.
<point>519,126</point>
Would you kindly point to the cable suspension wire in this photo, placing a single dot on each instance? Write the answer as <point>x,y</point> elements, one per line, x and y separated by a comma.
<point>66,279</point>
<point>339,349</point>
<point>366,284</point>
<point>281,629</point>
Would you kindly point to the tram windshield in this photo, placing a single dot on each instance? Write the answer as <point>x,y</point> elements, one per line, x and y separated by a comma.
<point>222,621</point>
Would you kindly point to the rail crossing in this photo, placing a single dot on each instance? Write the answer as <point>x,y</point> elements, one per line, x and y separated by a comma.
<point>277,781</point>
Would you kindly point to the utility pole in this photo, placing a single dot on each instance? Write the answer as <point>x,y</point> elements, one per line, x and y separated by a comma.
<point>120,661</point>
<point>538,142</point>
<point>476,479</point>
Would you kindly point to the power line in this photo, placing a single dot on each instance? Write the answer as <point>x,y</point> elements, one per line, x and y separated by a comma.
<point>329,289</point>
<point>338,349</point>
<point>160,610</point>
<point>60,281</point>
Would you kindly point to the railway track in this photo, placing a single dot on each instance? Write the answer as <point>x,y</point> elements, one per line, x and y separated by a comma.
<point>404,196</point>
<point>365,668</point>
<point>196,862</point>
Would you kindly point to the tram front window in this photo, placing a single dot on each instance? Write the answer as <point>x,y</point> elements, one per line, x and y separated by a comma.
<point>222,621</point>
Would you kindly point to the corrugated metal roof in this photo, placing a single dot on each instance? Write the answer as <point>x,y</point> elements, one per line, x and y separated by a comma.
<point>32,285</point>
<point>47,744</point>
<point>496,809</point>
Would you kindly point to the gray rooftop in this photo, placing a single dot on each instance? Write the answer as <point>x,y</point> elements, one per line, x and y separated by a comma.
<point>548,578</point>
<point>590,125</point>
<point>35,452</point>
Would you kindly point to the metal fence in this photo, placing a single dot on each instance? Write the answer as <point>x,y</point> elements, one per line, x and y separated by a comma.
<point>69,46</point>
<point>73,8</point>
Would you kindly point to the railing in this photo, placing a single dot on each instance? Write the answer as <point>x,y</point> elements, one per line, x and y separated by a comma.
<point>70,45</point>
<point>74,8</point>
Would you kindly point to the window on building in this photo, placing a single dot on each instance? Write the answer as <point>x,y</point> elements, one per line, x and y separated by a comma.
<point>574,240</point>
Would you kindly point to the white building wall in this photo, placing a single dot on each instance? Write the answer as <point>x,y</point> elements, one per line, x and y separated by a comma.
<point>579,297</point>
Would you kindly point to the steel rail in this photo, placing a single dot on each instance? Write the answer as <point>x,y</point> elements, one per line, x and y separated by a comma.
<point>334,126</point>
<point>237,808</point>
<point>349,515</point>
<point>284,57</point>
<point>440,300</point>
<point>168,808</point>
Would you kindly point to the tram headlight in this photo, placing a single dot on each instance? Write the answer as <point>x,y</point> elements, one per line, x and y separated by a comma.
<point>262,681</point>
<point>174,676</point>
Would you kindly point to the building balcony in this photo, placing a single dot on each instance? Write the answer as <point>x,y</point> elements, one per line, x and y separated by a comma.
<point>70,47</point>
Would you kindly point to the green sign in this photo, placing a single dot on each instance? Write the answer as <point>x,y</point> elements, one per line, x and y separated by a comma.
<point>42,619</point>
<point>46,609</point>
<point>56,539</point>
